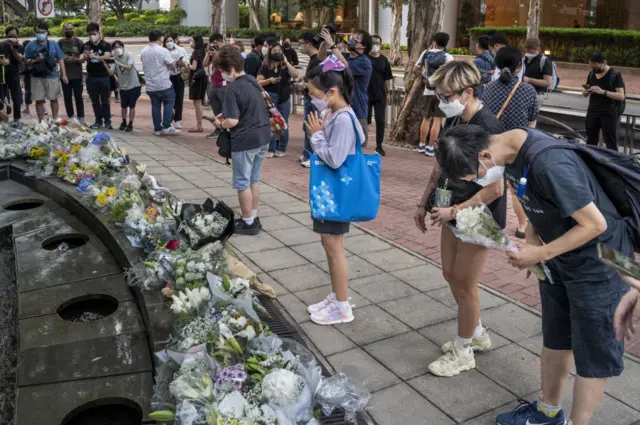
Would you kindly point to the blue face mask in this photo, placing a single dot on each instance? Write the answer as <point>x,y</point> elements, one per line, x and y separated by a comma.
<point>41,36</point>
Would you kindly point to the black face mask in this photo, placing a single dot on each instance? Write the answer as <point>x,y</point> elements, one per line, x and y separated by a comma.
<point>599,70</point>
<point>69,34</point>
<point>287,45</point>
<point>277,56</point>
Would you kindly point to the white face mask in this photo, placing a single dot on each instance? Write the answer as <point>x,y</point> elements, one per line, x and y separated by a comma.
<point>319,104</point>
<point>119,51</point>
<point>228,77</point>
<point>265,50</point>
<point>171,45</point>
<point>452,109</point>
<point>95,38</point>
<point>375,48</point>
<point>493,174</point>
<point>531,55</point>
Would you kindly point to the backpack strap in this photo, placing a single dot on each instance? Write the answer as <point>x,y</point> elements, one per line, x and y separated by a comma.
<point>543,60</point>
<point>506,103</point>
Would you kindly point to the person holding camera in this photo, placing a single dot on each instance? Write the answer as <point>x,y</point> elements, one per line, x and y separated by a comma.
<point>96,51</point>
<point>359,46</point>
<point>12,53</point>
<point>42,55</point>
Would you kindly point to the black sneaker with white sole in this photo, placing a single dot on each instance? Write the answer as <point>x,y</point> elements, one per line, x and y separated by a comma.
<point>242,228</point>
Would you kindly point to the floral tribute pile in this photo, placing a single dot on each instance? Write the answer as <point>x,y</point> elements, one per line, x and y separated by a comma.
<point>223,366</point>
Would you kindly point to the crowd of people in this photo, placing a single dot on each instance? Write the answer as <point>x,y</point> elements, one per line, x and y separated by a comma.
<point>479,122</point>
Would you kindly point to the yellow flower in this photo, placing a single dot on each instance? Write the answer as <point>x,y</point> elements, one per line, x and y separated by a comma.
<point>112,191</point>
<point>64,158</point>
<point>75,148</point>
<point>123,151</point>
<point>59,154</point>
<point>102,198</point>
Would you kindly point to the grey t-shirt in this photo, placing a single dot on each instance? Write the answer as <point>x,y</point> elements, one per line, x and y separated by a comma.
<point>73,48</point>
<point>559,184</point>
<point>244,101</point>
<point>127,78</point>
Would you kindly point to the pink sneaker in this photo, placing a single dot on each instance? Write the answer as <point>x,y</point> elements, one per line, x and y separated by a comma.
<point>314,308</point>
<point>333,315</point>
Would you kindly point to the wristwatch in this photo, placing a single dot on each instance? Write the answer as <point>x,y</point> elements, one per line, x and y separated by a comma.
<point>606,92</point>
<point>335,46</point>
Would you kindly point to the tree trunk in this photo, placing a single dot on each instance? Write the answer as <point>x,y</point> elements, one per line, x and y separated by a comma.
<point>94,14</point>
<point>218,23</point>
<point>396,27</point>
<point>254,11</point>
<point>425,20</point>
<point>533,25</point>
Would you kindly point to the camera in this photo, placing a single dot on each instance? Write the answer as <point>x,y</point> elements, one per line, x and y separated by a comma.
<point>41,51</point>
<point>332,28</point>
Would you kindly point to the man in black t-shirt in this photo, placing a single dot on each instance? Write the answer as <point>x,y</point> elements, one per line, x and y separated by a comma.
<point>96,52</point>
<point>253,61</point>
<point>379,90</point>
<point>11,53</point>
<point>311,49</point>
<point>605,89</point>
<point>73,50</point>
<point>538,68</point>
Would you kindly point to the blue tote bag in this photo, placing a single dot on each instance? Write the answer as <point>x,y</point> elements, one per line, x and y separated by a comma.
<point>347,194</point>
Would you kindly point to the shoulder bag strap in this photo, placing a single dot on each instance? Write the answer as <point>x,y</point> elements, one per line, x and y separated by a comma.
<point>355,130</point>
<point>506,103</point>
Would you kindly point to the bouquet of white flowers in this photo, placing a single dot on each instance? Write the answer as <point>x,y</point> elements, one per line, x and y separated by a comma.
<point>475,225</point>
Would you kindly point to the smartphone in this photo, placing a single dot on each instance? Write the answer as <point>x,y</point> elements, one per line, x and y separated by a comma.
<point>619,261</point>
<point>586,86</point>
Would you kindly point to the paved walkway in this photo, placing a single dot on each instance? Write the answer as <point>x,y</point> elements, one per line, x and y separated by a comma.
<point>404,310</point>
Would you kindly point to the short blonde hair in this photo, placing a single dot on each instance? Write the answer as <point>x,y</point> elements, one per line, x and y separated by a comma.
<point>455,77</point>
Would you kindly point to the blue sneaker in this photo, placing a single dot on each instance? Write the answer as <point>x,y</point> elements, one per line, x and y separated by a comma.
<point>420,148</point>
<point>527,414</point>
<point>96,125</point>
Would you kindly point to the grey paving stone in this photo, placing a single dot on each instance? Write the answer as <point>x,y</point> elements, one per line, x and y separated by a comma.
<point>267,188</point>
<point>487,300</point>
<point>365,243</point>
<point>327,338</point>
<point>180,170</point>
<point>513,322</point>
<point>357,268</point>
<point>354,231</point>
<point>300,278</point>
<point>279,222</point>
<point>418,310</point>
<point>292,207</point>
<point>303,218</point>
<point>393,259</point>
<point>175,163</point>
<point>295,236</point>
<point>513,367</point>
<point>157,170</point>
<point>402,405</point>
<point>446,331</point>
<point>222,191</point>
<point>178,185</point>
<point>424,278</point>
<point>278,198</point>
<point>231,201</point>
<point>312,296</point>
<point>533,344</point>
<point>610,411</point>
<point>294,307</point>
<point>407,355</point>
<point>625,387</point>
<point>359,365</point>
<point>194,195</point>
<point>276,259</point>
<point>209,182</point>
<point>463,396</point>
<point>372,324</point>
<point>261,242</point>
<point>381,287</point>
<point>314,251</point>
<point>489,418</point>
<point>265,278</point>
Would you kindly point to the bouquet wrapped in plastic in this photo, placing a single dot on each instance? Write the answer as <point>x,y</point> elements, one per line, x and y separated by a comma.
<point>475,225</point>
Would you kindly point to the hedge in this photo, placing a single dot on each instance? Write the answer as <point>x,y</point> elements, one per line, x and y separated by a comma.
<point>620,47</point>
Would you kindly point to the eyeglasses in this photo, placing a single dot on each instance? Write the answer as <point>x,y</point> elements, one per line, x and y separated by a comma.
<point>445,98</point>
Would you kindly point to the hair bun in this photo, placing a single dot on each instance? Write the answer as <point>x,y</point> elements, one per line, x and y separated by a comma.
<point>505,75</point>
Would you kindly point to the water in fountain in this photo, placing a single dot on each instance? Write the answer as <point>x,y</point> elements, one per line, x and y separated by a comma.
<point>9,328</point>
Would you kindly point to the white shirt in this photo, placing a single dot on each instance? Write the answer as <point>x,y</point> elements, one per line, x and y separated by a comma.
<point>176,54</point>
<point>155,59</point>
<point>447,58</point>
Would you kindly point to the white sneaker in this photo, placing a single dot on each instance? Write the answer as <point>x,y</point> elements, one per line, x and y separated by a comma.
<point>301,158</point>
<point>306,164</point>
<point>178,125</point>
<point>478,343</point>
<point>333,315</point>
<point>157,133</point>
<point>314,308</point>
<point>452,363</point>
<point>169,131</point>
<point>429,151</point>
<point>280,154</point>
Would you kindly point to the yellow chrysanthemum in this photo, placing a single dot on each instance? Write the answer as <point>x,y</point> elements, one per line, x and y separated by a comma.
<point>112,191</point>
<point>102,198</point>
<point>75,148</point>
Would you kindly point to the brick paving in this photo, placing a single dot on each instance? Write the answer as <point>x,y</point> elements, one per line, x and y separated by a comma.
<point>404,309</point>
<point>404,177</point>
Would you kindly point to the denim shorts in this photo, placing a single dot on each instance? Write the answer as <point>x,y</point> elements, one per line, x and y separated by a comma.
<point>578,316</point>
<point>246,166</point>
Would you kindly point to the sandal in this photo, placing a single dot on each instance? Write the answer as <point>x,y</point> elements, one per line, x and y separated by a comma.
<point>520,235</point>
<point>196,130</point>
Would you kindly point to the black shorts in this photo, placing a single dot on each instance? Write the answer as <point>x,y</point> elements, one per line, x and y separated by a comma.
<point>578,316</point>
<point>128,98</point>
<point>113,84</point>
<point>325,227</point>
<point>432,108</point>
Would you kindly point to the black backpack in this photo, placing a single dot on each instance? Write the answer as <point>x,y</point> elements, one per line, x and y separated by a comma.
<point>431,62</point>
<point>621,105</point>
<point>617,173</point>
<point>485,76</point>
